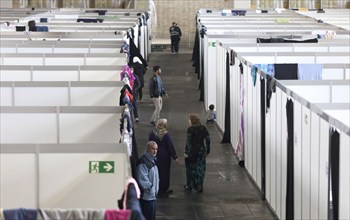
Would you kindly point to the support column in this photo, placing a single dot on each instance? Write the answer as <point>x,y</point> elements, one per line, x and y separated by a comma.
<point>92,3</point>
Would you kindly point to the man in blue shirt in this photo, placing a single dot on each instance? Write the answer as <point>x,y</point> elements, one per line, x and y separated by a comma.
<point>156,91</point>
<point>148,180</point>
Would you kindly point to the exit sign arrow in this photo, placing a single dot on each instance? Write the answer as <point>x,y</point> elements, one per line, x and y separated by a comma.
<point>108,167</point>
<point>101,166</point>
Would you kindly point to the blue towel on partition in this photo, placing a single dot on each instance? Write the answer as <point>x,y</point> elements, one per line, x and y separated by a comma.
<point>20,214</point>
<point>238,12</point>
<point>42,28</point>
<point>310,71</point>
<point>269,69</point>
<point>253,72</point>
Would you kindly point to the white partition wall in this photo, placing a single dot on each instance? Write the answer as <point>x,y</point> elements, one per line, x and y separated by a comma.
<point>60,124</point>
<point>311,134</point>
<point>344,187</point>
<point>61,73</point>
<point>75,183</point>
<point>25,190</point>
<point>220,87</point>
<point>265,148</point>
<point>333,66</point>
<point>64,59</point>
<point>59,110</point>
<point>64,93</point>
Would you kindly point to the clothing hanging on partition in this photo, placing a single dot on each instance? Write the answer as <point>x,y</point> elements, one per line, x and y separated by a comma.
<point>200,76</point>
<point>269,69</point>
<point>130,200</point>
<point>270,88</point>
<point>19,214</point>
<point>333,204</point>
<point>227,133</point>
<point>90,20</point>
<point>240,141</point>
<point>195,54</point>
<point>71,214</point>
<point>139,32</point>
<point>310,71</point>
<point>290,160</point>
<point>253,73</point>
<point>134,155</point>
<point>286,71</point>
<point>112,214</point>
<point>201,88</point>
<point>135,52</point>
<point>263,136</point>
<point>132,212</point>
<point>282,40</point>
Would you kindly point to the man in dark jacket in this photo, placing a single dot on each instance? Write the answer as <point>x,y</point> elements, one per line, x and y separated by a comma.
<point>156,91</point>
<point>175,37</point>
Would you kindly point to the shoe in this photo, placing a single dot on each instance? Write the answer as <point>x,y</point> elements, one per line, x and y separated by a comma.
<point>136,119</point>
<point>173,52</point>
<point>152,123</point>
<point>188,188</point>
<point>170,191</point>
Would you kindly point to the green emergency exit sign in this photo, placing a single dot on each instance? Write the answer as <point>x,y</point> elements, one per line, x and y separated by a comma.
<point>212,44</point>
<point>101,166</point>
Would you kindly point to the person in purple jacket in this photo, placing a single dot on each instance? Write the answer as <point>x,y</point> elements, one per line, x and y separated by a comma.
<point>166,152</point>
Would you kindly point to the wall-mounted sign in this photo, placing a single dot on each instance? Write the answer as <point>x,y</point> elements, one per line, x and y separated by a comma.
<point>101,166</point>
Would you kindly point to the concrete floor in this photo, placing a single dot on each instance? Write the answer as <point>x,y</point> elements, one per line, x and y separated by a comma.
<point>228,191</point>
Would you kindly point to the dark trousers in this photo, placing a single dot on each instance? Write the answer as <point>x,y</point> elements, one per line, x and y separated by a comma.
<point>134,104</point>
<point>188,173</point>
<point>148,209</point>
<point>174,45</point>
<point>140,93</point>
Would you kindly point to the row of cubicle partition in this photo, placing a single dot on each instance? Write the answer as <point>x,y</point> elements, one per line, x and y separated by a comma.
<point>61,141</point>
<point>292,136</point>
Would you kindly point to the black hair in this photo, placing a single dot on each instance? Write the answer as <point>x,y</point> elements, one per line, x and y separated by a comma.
<point>156,68</point>
<point>211,107</point>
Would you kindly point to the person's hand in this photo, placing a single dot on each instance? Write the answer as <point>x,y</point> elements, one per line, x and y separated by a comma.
<point>185,155</point>
<point>177,161</point>
<point>166,95</point>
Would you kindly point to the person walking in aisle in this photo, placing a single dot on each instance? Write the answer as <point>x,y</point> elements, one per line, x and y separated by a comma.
<point>148,180</point>
<point>196,152</point>
<point>156,91</point>
<point>175,37</point>
<point>166,152</point>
